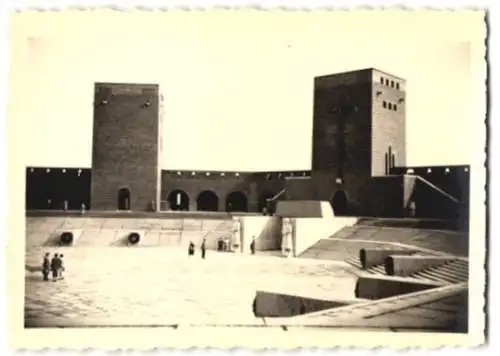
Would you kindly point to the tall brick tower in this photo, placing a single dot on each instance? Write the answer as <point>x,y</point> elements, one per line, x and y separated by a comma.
<point>126,151</point>
<point>358,132</point>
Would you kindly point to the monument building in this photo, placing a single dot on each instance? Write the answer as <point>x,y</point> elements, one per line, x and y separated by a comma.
<point>358,161</point>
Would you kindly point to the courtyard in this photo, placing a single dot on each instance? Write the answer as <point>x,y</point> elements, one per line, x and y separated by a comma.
<point>162,286</point>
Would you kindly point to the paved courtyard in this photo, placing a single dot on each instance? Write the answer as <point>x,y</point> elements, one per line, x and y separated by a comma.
<point>157,286</point>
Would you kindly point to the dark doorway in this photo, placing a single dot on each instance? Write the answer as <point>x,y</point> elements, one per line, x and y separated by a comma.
<point>339,203</point>
<point>236,201</point>
<point>124,199</point>
<point>263,201</point>
<point>208,201</point>
<point>178,200</point>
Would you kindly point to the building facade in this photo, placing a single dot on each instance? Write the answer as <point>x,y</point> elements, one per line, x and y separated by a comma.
<point>358,159</point>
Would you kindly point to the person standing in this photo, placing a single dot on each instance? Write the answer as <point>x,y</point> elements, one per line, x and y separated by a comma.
<point>60,269</point>
<point>252,246</point>
<point>191,248</point>
<point>54,262</point>
<point>46,266</point>
<point>203,249</point>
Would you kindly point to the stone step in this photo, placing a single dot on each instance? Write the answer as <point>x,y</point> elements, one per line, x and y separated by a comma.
<point>440,276</point>
<point>431,277</point>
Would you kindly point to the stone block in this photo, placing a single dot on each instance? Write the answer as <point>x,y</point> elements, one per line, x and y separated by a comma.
<point>399,265</point>
<point>269,304</point>
<point>370,257</point>
<point>378,287</point>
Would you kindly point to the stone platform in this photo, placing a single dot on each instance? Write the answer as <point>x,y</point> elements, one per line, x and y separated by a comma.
<point>119,286</point>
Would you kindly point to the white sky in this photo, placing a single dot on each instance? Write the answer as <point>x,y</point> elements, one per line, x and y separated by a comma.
<point>238,87</point>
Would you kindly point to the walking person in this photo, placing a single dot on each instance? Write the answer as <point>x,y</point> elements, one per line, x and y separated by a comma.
<point>203,249</point>
<point>46,266</point>
<point>54,262</point>
<point>191,248</point>
<point>252,246</point>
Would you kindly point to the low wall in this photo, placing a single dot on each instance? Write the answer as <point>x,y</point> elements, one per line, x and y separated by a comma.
<point>378,287</point>
<point>370,257</point>
<point>407,265</point>
<point>308,231</point>
<point>268,304</point>
<point>265,229</point>
<point>101,231</point>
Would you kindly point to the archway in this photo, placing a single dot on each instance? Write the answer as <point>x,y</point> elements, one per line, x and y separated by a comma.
<point>178,200</point>
<point>339,203</point>
<point>236,201</point>
<point>124,199</point>
<point>263,201</point>
<point>207,201</point>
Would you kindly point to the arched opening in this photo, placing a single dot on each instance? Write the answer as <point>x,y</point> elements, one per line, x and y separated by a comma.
<point>207,201</point>
<point>339,203</point>
<point>263,202</point>
<point>178,200</point>
<point>236,201</point>
<point>124,199</point>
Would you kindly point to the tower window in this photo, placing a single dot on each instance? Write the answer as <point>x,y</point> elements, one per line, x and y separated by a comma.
<point>384,104</point>
<point>392,83</point>
<point>390,106</point>
<point>397,86</point>
<point>382,80</point>
<point>394,107</point>
<point>387,82</point>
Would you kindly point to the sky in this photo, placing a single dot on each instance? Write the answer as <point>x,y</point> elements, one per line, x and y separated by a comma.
<point>238,86</point>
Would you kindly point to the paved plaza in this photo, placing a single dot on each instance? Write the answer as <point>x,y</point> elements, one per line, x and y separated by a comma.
<point>119,286</point>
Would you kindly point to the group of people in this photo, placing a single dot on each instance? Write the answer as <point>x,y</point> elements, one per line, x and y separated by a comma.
<point>54,265</point>
<point>203,248</point>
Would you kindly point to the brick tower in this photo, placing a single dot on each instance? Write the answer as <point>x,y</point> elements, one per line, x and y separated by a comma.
<point>126,147</point>
<point>358,133</point>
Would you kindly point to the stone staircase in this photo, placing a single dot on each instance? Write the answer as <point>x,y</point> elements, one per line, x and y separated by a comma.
<point>456,271</point>
<point>346,244</point>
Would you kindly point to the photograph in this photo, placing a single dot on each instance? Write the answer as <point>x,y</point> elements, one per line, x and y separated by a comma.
<point>249,169</point>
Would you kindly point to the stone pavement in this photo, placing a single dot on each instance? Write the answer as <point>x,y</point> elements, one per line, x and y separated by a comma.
<point>119,286</point>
